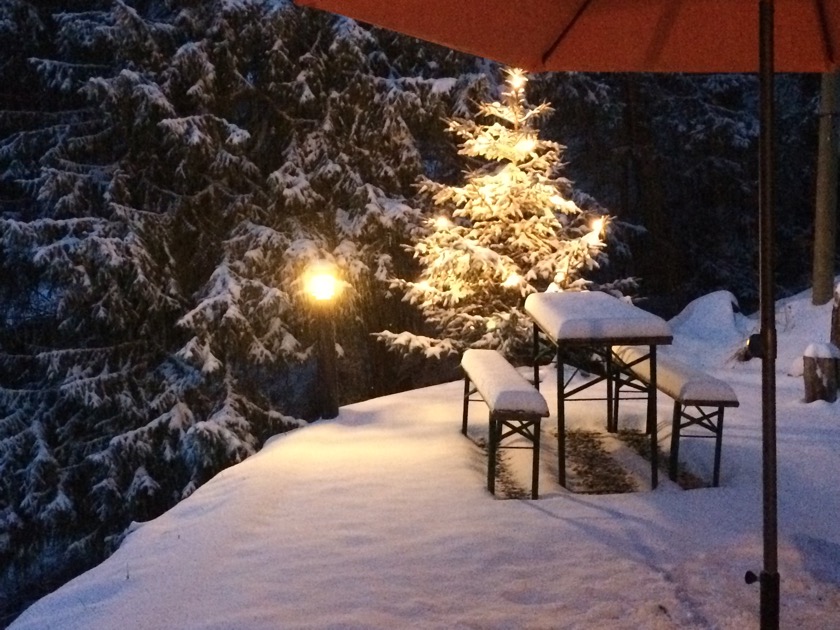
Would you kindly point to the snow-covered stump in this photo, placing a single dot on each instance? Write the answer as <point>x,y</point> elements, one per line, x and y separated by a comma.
<point>820,371</point>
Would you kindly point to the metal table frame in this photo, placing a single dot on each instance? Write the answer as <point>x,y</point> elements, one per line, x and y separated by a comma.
<point>613,369</point>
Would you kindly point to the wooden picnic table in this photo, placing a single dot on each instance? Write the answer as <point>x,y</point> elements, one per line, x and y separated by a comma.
<point>596,321</point>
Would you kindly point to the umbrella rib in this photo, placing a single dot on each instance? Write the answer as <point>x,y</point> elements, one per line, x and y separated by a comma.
<point>660,35</point>
<point>547,54</point>
<point>826,37</point>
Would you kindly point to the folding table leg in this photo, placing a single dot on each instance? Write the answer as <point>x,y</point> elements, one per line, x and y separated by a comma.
<point>718,445</point>
<point>535,471</point>
<point>616,398</point>
<point>561,420</point>
<point>612,417</point>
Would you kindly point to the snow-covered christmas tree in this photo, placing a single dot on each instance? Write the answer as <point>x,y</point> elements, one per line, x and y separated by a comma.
<point>511,229</point>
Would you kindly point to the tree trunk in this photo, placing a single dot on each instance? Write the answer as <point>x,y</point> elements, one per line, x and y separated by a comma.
<point>825,216</point>
<point>835,318</point>
<point>820,379</point>
<point>820,373</point>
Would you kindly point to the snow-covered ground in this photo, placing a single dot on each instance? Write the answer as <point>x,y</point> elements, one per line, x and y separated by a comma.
<point>380,519</point>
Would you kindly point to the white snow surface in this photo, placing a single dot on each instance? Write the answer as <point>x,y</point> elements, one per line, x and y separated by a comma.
<point>380,519</point>
<point>822,351</point>
<point>592,314</point>
<point>500,385</point>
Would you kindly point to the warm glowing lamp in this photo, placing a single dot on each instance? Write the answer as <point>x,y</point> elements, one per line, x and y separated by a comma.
<point>598,225</point>
<point>321,283</point>
<point>512,280</point>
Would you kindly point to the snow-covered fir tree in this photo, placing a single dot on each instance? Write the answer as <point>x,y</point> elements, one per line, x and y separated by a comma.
<point>178,166</point>
<point>513,228</point>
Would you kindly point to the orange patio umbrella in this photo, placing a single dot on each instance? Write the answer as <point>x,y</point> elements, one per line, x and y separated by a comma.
<point>763,36</point>
<point>613,35</point>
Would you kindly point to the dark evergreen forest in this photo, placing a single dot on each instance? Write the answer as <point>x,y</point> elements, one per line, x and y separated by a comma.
<point>168,169</point>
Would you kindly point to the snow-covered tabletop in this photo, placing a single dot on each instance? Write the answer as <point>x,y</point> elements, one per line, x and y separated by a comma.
<point>595,317</point>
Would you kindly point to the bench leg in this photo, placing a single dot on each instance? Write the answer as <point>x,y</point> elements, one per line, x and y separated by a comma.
<point>502,427</point>
<point>712,421</point>
<point>492,448</point>
<point>466,405</point>
<point>675,442</point>
<point>651,421</point>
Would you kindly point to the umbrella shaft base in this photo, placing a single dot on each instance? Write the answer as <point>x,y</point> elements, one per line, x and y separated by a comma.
<point>769,600</point>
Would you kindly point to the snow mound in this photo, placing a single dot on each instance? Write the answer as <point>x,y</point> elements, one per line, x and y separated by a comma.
<point>711,317</point>
<point>708,331</point>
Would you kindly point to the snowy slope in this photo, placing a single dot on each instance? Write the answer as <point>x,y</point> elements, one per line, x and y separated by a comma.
<point>379,519</point>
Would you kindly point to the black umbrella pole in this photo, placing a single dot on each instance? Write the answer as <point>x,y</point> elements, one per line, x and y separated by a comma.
<point>769,579</point>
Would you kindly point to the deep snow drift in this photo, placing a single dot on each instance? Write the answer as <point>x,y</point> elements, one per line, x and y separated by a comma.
<point>379,519</point>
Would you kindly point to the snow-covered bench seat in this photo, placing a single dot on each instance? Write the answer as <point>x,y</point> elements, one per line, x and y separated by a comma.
<point>699,399</point>
<point>516,407</point>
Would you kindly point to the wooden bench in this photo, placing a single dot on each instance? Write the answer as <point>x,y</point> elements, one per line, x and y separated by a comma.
<point>699,399</point>
<point>516,407</point>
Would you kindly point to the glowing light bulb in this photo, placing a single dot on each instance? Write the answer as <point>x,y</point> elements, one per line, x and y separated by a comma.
<point>512,280</point>
<point>423,285</point>
<point>525,145</point>
<point>442,223</point>
<point>593,238</point>
<point>506,177</point>
<point>517,79</point>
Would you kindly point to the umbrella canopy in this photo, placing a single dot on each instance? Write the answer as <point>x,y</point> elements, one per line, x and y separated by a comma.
<point>614,35</point>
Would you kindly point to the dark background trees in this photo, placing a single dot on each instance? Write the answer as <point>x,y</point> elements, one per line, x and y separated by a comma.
<point>677,154</point>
